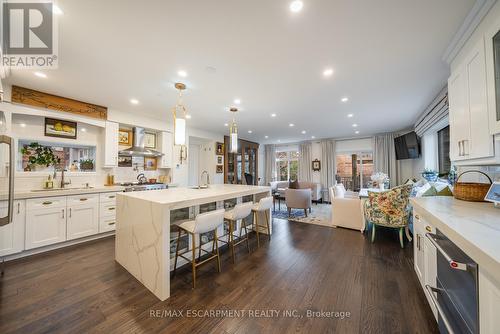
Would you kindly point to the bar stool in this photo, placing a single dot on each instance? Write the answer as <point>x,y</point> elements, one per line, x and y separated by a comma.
<point>265,204</point>
<point>203,223</point>
<point>239,212</point>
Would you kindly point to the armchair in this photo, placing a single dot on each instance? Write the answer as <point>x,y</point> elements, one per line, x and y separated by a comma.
<point>346,211</point>
<point>298,199</point>
<point>389,209</point>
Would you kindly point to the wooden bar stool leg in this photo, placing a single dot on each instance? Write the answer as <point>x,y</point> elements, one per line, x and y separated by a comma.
<point>217,250</point>
<point>267,221</point>
<point>177,250</point>
<point>256,227</point>
<point>193,260</point>
<point>199,250</point>
<point>231,239</point>
<point>246,237</point>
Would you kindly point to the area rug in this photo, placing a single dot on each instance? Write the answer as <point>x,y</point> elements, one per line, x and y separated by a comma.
<point>320,215</point>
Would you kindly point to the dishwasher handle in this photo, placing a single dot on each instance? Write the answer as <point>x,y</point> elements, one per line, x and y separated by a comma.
<point>446,322</point>
<point>453,264</point>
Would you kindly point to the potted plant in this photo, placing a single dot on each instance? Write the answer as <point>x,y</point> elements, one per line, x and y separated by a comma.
<point>86,164</point>
<point>430,175</point>
<point>39,155</point>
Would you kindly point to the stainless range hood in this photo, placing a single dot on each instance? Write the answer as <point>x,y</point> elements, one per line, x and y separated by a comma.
<point>138,148</point>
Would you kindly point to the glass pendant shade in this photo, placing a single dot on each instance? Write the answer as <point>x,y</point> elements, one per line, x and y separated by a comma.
<point>233,136</point>
<point>180,131</point>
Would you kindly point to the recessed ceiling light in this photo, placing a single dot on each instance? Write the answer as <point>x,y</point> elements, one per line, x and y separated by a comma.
<point>40,74</point>
<point>344,99</point>
<point>56,10</point>
<point>188,116</point>
<point>273,115</point>
<point>291,125</point>
<point>312,137</point>
<point>296,6</point>
<point>357,132</point>
<point>23,125</point>
<point>266,137</point>
<point>328,72</point>
<point>83,130</point>
<point>303,132</point>
<point>182,73</point>
<point>249,131</point>
<point>237,101</point>
<point>350,115</point>
<point>354,125</point>
<point>134,101</point>
<point>279,140</point>
<point>225,124</point>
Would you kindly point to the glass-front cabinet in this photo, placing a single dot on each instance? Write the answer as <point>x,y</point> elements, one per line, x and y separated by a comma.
<point>241,167</point>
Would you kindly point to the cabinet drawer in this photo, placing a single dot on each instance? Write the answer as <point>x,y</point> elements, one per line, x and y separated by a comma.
<point>107,197</point>
<point>47,202</point>
<point>83,199</point>
<point>107,209</point>
<point>107,224</point>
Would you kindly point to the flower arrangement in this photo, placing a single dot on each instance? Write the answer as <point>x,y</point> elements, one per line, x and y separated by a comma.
<point>380,178</point>
<point>430,175</point>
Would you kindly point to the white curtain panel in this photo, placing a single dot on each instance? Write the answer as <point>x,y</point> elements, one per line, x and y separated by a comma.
<point>270,156</point>
<point>305,162</point>
<point>384,154</point>
<point>328,163</point>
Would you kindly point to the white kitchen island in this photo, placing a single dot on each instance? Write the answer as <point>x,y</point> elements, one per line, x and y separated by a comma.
<point>143,224</point>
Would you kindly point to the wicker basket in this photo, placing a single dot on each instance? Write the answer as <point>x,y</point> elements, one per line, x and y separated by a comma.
<point>471,191</point>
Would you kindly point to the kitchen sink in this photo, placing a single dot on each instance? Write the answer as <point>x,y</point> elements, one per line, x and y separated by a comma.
<point>61,189</point>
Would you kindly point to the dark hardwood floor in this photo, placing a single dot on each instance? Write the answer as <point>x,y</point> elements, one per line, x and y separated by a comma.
<point>305,267</point>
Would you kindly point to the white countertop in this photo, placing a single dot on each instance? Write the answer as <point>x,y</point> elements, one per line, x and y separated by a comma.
<point>474,227</point>
<point>26,194</point>
<point>184,197</point>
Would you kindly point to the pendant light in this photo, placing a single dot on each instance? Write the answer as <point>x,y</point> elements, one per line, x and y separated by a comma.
<point>179,113</point>
<point>233,133</point>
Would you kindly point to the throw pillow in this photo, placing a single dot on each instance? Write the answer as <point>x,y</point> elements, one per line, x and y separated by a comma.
<point>445,192</point>
<point>294,184</point>
<point>421,190</point>
<point>431,192</point>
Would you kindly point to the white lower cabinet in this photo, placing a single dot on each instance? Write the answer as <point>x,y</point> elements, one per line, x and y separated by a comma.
<point>83,216</point>
<point>12,235</point>
<point>107,212</point>
<point>45,221</point>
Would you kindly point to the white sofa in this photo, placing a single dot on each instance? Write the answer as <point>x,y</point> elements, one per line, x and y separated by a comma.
<point>346,211</point>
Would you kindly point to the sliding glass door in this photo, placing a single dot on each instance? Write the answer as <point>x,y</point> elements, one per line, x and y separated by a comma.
<point>354,169</point>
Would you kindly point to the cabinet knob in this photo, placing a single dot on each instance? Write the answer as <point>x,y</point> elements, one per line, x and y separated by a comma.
<point>428,228</point>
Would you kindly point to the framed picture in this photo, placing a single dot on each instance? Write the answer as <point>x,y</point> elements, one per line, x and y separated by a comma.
<point>219,169</point>
<point>125,137</point>
<point>150,163</point>
<point>493,194</point>
<point>124,161</point>
<point>316,165</point>
<point>219,148</point>
<point>150,140</point>
<point>219,160</point>
<point>59,128</point>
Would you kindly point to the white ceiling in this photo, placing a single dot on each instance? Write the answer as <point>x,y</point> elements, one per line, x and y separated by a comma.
<point>386,57</point>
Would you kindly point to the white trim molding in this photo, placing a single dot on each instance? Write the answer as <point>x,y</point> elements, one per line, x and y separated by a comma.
<point>472,20</point>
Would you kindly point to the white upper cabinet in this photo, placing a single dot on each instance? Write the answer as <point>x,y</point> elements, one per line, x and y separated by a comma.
<point>492,55</point>
<point>166,149</point>
<point>111,144</point>
<point>470,136</point>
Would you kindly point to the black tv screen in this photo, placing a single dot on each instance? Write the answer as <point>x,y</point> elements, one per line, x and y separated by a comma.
<point>407,146</point>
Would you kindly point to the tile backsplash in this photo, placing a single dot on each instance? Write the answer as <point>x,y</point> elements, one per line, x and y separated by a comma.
<point>492,171</point>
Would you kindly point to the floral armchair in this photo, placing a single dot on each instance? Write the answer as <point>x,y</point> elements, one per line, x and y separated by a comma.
<point>389,208</point>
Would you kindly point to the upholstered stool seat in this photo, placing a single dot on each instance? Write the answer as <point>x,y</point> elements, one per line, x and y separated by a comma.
<point>238,213</point>
<point>264,205</point>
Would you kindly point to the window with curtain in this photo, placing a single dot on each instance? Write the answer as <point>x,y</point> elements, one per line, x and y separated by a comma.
<point>287,165</point>
<point>444,162</point>
<point>354,176</point>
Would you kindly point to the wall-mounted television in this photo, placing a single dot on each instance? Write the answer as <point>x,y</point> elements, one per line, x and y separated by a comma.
<point>407,146</point>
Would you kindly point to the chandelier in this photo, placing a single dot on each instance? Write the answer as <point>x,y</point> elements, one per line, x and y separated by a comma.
<point>233,133</point>
<point>179,113</point>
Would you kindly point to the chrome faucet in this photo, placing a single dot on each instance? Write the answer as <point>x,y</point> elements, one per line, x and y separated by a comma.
<point>208,178</point>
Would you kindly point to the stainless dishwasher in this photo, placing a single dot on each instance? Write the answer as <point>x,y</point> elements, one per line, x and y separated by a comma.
<point>456,292</point>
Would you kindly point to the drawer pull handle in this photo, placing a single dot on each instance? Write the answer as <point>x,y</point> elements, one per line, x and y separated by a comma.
<point>417,217</point>
<point>428,229</point>
<point>111,208</point>
<point>47,203</point>
<point>112,223</point>
<point>83,199</point>
<point>112,196</point>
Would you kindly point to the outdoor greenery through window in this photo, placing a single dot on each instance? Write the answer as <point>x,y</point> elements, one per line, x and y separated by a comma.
<point>357,175</point>
<point>287,165</point>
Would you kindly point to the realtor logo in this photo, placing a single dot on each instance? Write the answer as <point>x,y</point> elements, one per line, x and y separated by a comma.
<point>28,35</point>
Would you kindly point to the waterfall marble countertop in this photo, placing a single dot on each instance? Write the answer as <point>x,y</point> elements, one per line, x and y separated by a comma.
<point>474,227</point>
<point>26,194</point>
<point>184,197</point>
